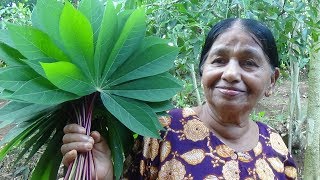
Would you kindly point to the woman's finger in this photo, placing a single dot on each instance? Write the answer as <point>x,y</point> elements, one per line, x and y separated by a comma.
<point>74,128</point>
<point>78,146</point>
<point>69,157</point>
<point>96,136</point>
<point>73,137</point>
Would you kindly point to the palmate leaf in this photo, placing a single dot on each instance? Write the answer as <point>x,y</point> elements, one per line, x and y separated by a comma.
<point>129,40</point>
<point>13,77</point>
<point>41,91</point>
<point>106,39</point>
<point>160,106</point>
<point>38,138</point>
<point>68,77</point>
<point>153,60</point>
<point>35,64</point>
<point>77,37</point>
<point>10,56</point>
<point>25,130</point>
<point>33,43</point>
<point>119,137</point>
<point>135,115</point>
<point>48,165</point>
<point>46,17</point>
<point>15,112</point>
<point>69,53</point>
<point>93,10</point>
<point>153,89</point>
<point>5,38</point>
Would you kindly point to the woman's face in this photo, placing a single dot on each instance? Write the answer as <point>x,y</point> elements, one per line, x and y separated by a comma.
<point>236,73</point>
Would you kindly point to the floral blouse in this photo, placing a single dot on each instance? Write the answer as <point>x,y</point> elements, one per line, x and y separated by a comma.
<point>189,150</point>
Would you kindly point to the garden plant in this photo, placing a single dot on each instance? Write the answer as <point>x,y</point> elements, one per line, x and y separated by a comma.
<point>93,65</point>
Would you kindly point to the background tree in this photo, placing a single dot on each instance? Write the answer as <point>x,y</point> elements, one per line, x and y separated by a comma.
<point>312,154</point>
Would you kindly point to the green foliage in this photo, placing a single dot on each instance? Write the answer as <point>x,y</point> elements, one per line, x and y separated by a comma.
<point>17,13</point>
<point>186,22</point>
<point>63,58</point>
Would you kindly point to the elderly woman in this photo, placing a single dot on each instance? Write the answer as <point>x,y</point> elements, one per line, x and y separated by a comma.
<point>218,140</point>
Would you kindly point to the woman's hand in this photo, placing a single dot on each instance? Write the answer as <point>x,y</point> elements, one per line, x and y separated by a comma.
<point>75,140</point>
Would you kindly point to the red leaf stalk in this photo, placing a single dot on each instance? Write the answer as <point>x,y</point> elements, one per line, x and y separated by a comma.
<point>83,166</point>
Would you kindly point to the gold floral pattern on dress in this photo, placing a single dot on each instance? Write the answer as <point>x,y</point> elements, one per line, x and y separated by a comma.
<point>195,130</point>
<point>244,157</point>
<point>290,171</point>
<point>150,148</point>
<point>224,151</point>
<point>172,169</point>
<point>277,143</point>
<point>186,112</point>
<point>258,149</point>
<point>142,167</point>
<point>211,177</point>
<point>276,164</point>
<point>165,120</point>
<point>194,156</point>
<point>165,150</point>
<point>263,170</point>
<point>231,170</point>
<point>153,172</point>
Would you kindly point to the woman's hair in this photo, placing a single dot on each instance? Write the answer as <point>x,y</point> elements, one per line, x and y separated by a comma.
<point>256,28</point>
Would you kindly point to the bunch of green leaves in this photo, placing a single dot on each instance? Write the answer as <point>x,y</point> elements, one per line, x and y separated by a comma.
<point>68,54</point>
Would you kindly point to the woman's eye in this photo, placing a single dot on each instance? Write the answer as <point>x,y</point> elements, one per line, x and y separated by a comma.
<point>249,63</point>
<point>218,61</point>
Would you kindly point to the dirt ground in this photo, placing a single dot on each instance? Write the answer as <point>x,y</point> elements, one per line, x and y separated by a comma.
<point>272,110</point>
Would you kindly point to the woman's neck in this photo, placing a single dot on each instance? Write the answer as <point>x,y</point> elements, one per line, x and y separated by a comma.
<point>234,129</point>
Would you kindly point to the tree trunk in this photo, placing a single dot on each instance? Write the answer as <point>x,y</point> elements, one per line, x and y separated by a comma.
<point>195,85</point>
<point>312,153</point>
<point>295,111</point>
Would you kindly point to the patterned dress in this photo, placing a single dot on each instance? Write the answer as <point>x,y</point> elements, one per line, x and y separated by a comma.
<point>189,150</point>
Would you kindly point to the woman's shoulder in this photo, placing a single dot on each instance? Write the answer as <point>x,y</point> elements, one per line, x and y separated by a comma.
<point>265,129</point>
<point>272,139</point>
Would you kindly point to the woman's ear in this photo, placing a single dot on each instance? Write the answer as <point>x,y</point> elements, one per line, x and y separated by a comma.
<point>274,77</point>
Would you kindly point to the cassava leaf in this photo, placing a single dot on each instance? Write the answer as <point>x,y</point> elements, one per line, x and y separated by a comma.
<point>67,77</point>
<point>153,89</point>
<point>106,38</point>
<point>5,38</point>
<point>135,115</point>
<point>12,78</point>
<point>160,106</point>
<point>36,66</point>
<point>41,91</point>
<point>129,40</point>
<point>123,17</point>
<point>10,56</point>
<point>41,141</point>
<point>48,165</point>
<point>93,10</point>
<point>14,111</point>
<point>46,17</point>
<point>77,37</point>
<point>120,139</point>
<point>24,133</point>
<point>154,60</point>
<point>44,129</point>
<point>33,43</point>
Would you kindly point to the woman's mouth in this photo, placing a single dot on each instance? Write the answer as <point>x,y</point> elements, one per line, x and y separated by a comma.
<point>229,91</point>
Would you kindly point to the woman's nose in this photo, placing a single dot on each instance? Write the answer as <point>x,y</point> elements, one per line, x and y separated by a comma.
<point>231,72</point>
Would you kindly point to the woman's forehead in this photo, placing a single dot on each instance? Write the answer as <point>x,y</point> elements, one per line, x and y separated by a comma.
<point>236,40</point>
